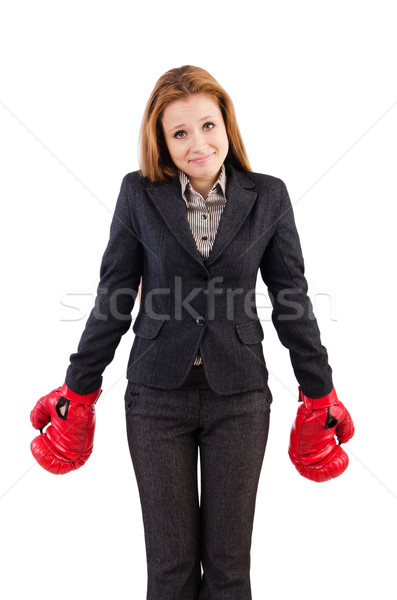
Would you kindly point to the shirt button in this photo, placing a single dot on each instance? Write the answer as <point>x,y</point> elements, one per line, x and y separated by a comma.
<point>203,216</point>
<point>204,238</point>
<point>200,321</point>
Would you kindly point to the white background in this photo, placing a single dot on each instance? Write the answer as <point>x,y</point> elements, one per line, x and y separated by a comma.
<point>314,88</point>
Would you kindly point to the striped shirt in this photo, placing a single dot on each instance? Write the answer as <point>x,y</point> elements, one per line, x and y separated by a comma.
<point>204,215</point>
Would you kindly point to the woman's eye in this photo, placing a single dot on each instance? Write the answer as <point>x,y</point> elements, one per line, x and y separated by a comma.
<point>179,135</point>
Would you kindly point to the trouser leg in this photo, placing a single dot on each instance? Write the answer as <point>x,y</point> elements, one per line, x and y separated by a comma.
<point>162,438</point>
<point>232,440</point>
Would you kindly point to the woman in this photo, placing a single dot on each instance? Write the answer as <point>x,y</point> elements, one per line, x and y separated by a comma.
<point>191,229</point>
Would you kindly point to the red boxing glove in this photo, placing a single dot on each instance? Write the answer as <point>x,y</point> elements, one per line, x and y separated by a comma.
<point>313,448</point>
<point>67,443</point>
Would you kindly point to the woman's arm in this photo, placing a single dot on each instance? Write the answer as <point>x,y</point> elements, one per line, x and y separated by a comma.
<point>120,274</point>
<point>282,270</point>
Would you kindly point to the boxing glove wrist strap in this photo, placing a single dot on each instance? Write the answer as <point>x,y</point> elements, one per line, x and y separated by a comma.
<point>317,403</point>
<point>87,399</point>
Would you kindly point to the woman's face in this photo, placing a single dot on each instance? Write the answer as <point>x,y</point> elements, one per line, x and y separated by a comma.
<point>196,137</point>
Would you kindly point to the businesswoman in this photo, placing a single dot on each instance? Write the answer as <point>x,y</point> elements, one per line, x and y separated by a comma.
<point>191,230</point>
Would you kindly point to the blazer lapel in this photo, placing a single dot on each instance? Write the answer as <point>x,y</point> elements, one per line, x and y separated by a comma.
<point>239,202</point>
<point>167,198</point>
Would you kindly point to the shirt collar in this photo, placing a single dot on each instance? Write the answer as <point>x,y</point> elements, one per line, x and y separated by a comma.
<point>184,180</point>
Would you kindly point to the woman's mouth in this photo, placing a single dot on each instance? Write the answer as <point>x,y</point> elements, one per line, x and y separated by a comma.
<point>202,159</point>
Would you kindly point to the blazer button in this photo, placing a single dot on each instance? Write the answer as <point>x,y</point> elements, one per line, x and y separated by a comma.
<point>200,321</point>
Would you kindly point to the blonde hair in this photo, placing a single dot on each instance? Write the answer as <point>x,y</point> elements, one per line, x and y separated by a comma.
<point>175,84</point>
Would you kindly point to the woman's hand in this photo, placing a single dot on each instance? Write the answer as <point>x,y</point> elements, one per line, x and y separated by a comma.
<point>313,448</point>
<point>67,442</point>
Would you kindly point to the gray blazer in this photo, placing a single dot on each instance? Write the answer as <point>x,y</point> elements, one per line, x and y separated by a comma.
<point>189,303</point>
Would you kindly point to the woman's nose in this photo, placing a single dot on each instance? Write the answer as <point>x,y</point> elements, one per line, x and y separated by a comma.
<point>199,143</point>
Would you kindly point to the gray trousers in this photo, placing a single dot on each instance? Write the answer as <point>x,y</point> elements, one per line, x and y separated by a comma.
<point>197,549</point>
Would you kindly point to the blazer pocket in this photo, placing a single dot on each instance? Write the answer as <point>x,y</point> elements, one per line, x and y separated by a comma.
<point>250,332</point>
<point>146,327</point>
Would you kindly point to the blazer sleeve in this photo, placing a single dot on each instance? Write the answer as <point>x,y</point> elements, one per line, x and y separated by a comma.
<point>282,269</point>
<point>120,273</point>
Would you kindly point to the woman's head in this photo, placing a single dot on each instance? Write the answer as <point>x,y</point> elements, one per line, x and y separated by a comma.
<point>184,92</point>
